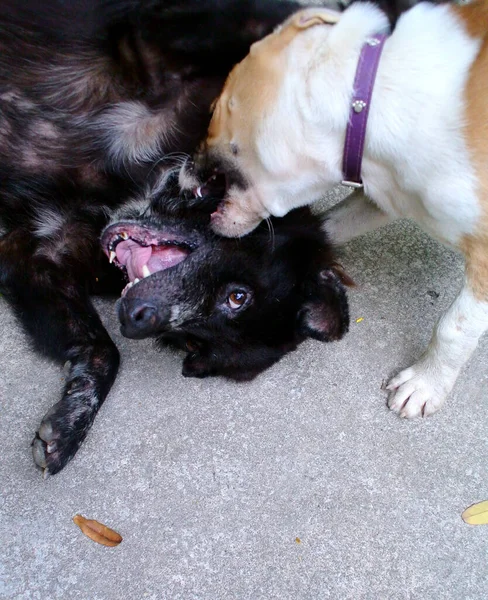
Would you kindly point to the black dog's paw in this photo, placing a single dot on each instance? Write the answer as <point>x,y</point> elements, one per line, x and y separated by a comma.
<point>60,435</point>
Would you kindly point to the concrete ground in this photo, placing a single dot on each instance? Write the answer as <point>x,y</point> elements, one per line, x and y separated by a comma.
<point>298,485</point>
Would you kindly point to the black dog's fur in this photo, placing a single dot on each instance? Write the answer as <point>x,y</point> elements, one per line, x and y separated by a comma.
<point>95,96</point>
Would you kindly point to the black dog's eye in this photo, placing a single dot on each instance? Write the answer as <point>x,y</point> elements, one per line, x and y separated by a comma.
<point>234,299</point>
<point>237,299</point>
<point>191,346</point>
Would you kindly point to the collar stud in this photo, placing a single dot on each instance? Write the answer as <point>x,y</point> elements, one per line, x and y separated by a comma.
<point>358,105</point>
<point>373,41</point>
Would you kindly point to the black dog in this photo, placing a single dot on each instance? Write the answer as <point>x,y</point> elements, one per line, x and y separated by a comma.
<point>236,307</point>
<point>95,97</point>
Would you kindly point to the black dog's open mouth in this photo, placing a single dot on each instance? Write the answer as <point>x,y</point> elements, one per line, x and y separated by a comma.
<point>141,251</point>
<point>214,187</point>
<point>212,193</point>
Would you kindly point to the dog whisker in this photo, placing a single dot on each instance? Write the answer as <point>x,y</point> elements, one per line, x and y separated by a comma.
<point>271,233</point>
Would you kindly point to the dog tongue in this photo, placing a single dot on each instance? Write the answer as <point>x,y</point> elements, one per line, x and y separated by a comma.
<point>164,257</point>
<point>157,258</point>
<point>134,257</point>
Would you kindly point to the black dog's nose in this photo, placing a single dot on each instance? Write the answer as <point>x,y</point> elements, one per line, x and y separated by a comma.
<point>138,318</point>
<point>144,315</point>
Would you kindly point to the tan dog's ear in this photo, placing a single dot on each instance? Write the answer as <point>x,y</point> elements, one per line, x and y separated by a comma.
<point>315,16</point>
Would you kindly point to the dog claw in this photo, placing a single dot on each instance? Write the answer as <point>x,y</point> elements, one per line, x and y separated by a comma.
<point>51,447</point>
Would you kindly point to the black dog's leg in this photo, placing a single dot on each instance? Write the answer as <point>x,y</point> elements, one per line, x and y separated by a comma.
<point>55,310</point>
<point>93,364</point>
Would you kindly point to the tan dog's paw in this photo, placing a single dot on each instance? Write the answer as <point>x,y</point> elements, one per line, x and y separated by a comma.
<point>419,391</point>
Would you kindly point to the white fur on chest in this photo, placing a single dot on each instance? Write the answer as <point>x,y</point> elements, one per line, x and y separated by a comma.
<point>416,162</point>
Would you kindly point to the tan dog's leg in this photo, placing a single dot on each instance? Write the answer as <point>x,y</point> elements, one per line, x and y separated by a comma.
<point>352,217</point>
<point>422,389</point>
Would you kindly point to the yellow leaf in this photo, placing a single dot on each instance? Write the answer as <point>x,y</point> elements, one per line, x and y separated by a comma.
<point>97,531</point>
<point>360,319</point>
<point>476,514</point>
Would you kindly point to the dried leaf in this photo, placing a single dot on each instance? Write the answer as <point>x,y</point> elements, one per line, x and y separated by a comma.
<point>476,514</point>
<point>97,531</point>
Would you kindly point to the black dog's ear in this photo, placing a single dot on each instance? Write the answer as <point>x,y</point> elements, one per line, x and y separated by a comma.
<point>325,313</point>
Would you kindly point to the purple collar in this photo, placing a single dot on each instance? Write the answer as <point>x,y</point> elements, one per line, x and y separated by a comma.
<point>358,118</point>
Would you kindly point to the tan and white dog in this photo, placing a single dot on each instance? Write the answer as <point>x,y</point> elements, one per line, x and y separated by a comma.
<point>278,133</point>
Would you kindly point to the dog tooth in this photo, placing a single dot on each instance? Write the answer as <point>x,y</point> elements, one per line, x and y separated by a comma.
<point>124,235</point>
<point>198,192</point>
<point>136,280</point>
<point>127,288</point>
<point>112,257</point>
<point>145,271</point>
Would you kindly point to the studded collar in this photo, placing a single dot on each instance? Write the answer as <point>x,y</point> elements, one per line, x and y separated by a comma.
<point>358,116</point>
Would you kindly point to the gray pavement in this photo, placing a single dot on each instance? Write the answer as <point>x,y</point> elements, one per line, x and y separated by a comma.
<point>297,485</point>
